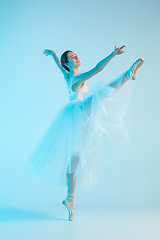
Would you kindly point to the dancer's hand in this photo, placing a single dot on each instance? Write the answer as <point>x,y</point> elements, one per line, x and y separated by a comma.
<point>47,52</point>
<point>118,51</point>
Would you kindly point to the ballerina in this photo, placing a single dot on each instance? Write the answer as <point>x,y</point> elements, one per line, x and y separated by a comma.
<point>71,150</point>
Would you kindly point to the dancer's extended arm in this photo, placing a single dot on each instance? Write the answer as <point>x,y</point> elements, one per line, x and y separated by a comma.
<point>56,59</point>
<point>99,67</point>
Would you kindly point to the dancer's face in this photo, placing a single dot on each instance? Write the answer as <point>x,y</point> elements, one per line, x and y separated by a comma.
<point>73,60</point>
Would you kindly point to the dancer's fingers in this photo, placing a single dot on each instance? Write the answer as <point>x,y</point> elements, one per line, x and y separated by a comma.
<point>122,46</point>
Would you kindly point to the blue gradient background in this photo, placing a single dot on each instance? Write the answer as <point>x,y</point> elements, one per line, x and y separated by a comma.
<point>32,91</point>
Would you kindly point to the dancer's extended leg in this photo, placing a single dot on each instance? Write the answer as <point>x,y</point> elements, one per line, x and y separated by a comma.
<point>120,81</point>
<point>130,74</point>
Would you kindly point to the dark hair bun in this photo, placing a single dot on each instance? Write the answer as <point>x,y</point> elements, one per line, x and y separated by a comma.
<point>64,59</point>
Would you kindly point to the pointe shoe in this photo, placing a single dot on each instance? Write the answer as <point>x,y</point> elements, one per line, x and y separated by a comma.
<point>132,72</point>
<point>69,204</point>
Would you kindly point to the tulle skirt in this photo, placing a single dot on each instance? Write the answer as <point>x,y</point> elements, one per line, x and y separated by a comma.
<point>83,136</point>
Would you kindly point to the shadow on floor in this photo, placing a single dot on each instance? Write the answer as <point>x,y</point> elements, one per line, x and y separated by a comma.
<point>12,215</point>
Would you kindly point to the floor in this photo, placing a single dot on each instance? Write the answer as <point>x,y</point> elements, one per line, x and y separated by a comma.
<point>101,224</point>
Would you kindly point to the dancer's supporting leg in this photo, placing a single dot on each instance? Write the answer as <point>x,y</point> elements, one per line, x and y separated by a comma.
<point>71,181</point>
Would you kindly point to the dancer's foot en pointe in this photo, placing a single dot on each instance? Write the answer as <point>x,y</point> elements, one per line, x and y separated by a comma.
<point>132,72</point>
<point>69,202</point>
<point>70,205</point>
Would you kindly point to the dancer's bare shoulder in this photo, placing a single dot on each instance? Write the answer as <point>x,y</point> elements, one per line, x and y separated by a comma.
<point>74,78</point>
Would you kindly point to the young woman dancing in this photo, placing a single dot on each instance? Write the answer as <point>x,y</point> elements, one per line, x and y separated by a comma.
<point>87,130</point>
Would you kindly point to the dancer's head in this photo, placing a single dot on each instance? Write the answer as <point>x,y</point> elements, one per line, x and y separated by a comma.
<point>70,60</point>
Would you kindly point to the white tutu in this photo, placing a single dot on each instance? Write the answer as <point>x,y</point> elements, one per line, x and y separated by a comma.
<point>84,135</point>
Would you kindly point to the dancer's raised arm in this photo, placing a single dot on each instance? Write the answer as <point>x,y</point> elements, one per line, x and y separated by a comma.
<point>47,52</point>
<point>99,67</point>
<point>105,61</point>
